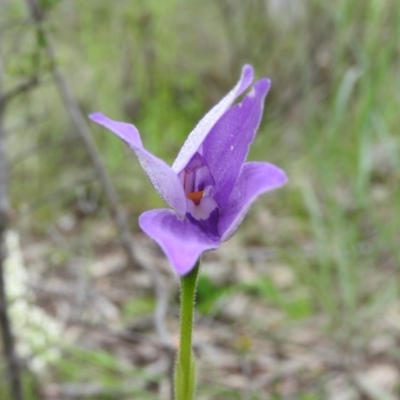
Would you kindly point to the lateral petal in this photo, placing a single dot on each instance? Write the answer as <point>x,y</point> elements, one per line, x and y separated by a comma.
<point>201,130</point>
<point>255,179</point>
<point>161,175</point>
<point>181,241</point>
<point>226,147</point>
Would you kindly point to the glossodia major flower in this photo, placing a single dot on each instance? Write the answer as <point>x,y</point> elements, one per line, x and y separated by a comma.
<point>209,187</point>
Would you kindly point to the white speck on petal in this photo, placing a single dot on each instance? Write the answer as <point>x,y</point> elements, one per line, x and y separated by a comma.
<point>232,147</point>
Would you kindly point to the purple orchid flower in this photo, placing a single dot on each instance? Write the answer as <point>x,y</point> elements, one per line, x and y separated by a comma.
<point>209,187</point>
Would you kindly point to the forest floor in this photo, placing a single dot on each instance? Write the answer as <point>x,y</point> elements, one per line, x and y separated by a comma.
<point>91,315</point>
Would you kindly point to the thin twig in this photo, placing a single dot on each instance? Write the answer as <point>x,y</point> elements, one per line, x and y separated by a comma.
<point>17,90</point>
<point>80,122</point>
<point>5,322</point>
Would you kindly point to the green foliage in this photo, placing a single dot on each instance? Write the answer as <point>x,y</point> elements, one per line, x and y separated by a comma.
<point>208,294</point>
<point>115,377</point>
<point>48,4</point>
<point>29,385</point>
<point>137,307</point>
<point>295,305</point>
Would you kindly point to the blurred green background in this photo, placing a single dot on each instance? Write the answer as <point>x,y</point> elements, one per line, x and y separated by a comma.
<point>331,121</point>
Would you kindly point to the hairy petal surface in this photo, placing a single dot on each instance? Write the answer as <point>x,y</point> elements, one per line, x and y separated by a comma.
<point>255,179</point>
<point>181,241</point>
<point>201,130</point>
<point>226,147</point>
<point>161,175</point>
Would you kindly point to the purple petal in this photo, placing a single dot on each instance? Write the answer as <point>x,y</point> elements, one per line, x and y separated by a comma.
<point>201,130</point>
<point>225,148</point>
<point>161,175</point>
<point>209,225</point>
<point>254,179</point>
<point>182,242</point>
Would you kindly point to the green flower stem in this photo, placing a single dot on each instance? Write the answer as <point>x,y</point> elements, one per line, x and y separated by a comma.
<point>185,366</point>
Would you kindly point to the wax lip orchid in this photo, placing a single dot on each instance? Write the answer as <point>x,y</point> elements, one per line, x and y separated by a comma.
<point>209,187</point>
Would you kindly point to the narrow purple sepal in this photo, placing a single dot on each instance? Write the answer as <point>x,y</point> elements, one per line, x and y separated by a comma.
<point>255,179</point>
<point>181,241</point>
<point>161,175</point>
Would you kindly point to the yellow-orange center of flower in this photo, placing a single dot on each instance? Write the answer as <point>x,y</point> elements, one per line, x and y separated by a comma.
<point>195,196</point>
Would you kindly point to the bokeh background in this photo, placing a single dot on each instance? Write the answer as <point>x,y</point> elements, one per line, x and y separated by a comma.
<point>303,302</point>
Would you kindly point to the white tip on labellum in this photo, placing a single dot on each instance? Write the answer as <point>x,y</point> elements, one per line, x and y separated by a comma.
<point>203,209</point>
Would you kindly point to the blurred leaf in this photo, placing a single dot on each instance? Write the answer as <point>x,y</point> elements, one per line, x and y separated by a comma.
<point>208,294</point>
<point>138,306</point>
<point>48,4</point>
<point>293,304</point>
